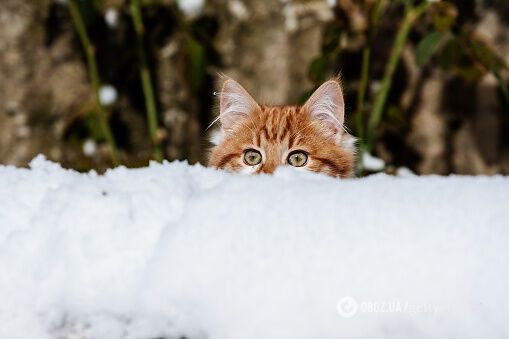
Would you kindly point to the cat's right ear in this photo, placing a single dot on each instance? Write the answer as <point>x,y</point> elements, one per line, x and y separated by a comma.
<point>235,104</point>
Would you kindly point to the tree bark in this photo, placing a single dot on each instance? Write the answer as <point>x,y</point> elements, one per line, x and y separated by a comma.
<point>179,106</point>
<point>268,45</point>
<point>37,78</point>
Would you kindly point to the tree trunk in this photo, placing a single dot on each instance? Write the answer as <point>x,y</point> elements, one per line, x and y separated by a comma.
<point>268,45</point>
<point>36,78</point>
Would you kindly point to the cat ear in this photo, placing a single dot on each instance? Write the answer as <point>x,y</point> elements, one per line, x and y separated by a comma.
<point>327,105</point>
<point>235,104</point>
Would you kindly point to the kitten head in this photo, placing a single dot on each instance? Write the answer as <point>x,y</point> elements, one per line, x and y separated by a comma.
<point>259,138</point>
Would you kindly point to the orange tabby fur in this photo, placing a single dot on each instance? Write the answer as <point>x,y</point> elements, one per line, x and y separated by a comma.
<point>275,131</point>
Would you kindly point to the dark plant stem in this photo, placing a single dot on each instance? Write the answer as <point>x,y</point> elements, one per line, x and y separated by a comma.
<point>361,95</point>
<point>366,61</point>
<point>95,78</point>
<point>146,80</point>
<point>503,88</point>
<point>364,78</point>
<point>411,15</point>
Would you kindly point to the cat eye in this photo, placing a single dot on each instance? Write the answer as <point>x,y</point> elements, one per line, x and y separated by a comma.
<point>252,157</point>
<point>297,158</point>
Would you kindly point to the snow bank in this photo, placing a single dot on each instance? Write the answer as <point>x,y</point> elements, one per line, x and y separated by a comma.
<point>175,250</point>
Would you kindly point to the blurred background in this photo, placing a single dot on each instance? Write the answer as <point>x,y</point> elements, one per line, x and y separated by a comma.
<point>97,83</point>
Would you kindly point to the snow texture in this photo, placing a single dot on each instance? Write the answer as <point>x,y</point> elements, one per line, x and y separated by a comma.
<point>191,7</point>
<point>371,162</point>
<point>175,250</point>
<point>112,17</point>
<point>108,95</point>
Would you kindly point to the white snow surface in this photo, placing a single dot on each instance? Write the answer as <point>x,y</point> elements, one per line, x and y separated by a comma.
<point>174,250</point>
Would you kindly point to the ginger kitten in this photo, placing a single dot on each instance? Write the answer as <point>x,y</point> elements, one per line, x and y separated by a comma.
<point>259,138</point>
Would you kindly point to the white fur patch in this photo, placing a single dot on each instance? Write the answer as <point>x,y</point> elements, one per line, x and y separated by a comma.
<point>249,169</point>
<point>216,136</point>
<point>349,143</point>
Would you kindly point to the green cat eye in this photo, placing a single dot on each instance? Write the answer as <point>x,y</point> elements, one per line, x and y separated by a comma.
<point>297,158</point>
<point>252,157</point>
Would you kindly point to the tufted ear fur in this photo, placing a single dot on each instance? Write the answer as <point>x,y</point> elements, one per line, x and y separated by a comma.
<point>235,104</point>
<point>328,107</point>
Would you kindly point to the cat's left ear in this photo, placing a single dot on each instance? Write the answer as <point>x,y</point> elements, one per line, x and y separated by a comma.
<point>327,106</point>
<point>235,104</point>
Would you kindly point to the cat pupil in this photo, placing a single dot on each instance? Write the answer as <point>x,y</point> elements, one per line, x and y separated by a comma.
<point>252,157</point>
<point>297,159</point>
